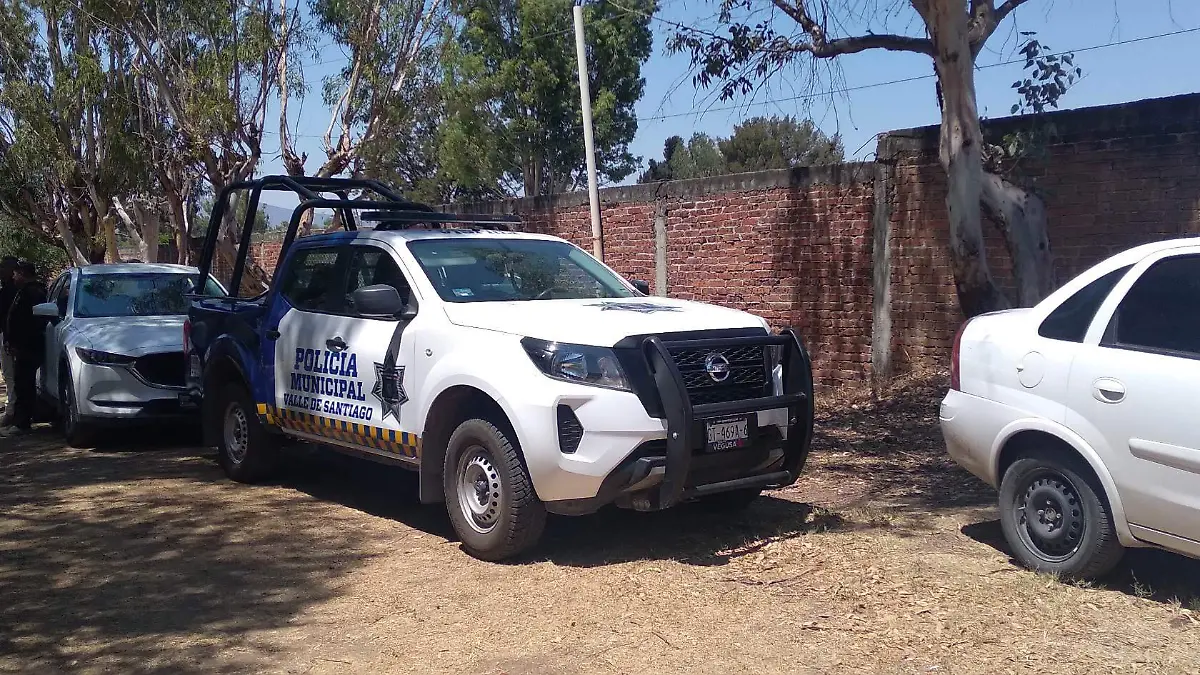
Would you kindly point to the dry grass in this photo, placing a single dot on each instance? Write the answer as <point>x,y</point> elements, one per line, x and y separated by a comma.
<point>884,558</point>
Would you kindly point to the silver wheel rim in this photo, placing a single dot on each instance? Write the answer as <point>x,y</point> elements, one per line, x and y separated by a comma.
<point>480,491</point>
<point>237,433</point>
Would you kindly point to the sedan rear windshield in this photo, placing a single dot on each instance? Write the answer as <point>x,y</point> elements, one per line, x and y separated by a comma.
<point>498,270</point>
<point>106,295</point>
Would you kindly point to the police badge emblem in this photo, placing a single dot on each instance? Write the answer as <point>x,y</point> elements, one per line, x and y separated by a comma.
<point>389,386</point>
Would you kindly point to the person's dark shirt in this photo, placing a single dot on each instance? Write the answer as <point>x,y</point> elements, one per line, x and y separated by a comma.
<point>23,332</point>
<point>8,291</point>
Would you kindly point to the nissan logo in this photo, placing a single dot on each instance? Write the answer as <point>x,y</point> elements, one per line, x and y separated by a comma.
<point>717,367</point>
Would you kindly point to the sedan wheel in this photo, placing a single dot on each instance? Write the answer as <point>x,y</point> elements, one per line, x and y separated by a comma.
<point>1055,518</point>
<point>1050,516</point>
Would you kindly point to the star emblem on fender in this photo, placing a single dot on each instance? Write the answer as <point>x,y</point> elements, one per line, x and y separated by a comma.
<point>389,386</point>
<point>639,307</point>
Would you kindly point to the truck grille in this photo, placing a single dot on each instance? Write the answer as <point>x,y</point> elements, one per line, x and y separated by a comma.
<point>166,369</point>
<point>746,379</point>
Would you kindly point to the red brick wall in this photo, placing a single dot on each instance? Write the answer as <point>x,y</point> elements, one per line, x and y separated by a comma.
<point>1116,177</point>
<point>799,257</point>
<point>796,246</point>
<point>791,246</point>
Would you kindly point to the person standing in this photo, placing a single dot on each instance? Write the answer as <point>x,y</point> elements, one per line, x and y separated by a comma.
<point>25,342</point>
<point>8,290</point>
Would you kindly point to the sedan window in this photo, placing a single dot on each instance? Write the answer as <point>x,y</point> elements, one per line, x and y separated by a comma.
<point>1161,312</point>
<point>1070,320</point>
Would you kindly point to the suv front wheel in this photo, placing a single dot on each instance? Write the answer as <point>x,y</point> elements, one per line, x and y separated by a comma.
<point>79,433</point>
<point>245,451</point>
<point>489,494</point>
<point>1055,520</point>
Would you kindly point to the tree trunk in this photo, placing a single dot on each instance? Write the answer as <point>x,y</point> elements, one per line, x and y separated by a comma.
<point>148,220</point>
<point>1021,217</point>
<point>132,226</point>
<point>77,256</point>
<point>960,145</point>
<point>179,224</point>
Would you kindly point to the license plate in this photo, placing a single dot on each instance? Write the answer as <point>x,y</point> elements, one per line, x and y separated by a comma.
<point>194,367</point>
<point>727,434</point>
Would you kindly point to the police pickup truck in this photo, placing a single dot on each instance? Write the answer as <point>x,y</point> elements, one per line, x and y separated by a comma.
<point>514,371</point>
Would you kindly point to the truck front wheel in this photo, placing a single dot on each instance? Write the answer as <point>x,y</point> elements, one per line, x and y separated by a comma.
<point>489,494</point>
<point>245,451</point>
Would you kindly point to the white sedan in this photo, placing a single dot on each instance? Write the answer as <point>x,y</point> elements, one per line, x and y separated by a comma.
<point>114,344</point>
<point>1084,411</point>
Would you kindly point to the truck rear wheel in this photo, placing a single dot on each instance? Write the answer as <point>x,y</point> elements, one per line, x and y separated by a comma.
<point>489,494</point>
<point>245,451</point>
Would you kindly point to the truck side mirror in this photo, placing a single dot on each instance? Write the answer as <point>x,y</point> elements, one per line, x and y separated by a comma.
<point>378,301</point>
<point>642,286</point>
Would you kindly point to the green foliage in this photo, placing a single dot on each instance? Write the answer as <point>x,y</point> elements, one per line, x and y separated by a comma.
<point>700,157</point>
<point>20,242</point>
<point>1050,76</point>
<point>240,203</point>
<point>765,143</point>
<point>512,94</point>
<point>757,144</point>
<point>1017,154</point>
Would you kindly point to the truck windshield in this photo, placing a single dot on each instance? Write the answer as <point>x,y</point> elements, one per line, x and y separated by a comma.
<point>498,270</point>
<point>105,295</point>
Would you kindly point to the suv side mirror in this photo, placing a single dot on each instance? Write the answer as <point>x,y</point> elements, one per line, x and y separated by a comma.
<point>48,310</point>
<point>642,286</point>
<point>379,301</point>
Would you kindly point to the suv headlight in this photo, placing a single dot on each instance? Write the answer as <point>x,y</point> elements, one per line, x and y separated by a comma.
<point>99,358</point>
<point>597,366</point>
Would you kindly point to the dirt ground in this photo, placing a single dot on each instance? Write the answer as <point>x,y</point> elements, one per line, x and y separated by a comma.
<point>884,558</point>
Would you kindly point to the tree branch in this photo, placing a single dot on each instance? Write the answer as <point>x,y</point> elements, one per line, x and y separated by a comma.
<point>985,18</point>
<point>822,47</point>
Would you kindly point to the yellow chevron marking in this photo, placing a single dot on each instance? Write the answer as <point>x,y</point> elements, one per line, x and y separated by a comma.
<point>377,438</point>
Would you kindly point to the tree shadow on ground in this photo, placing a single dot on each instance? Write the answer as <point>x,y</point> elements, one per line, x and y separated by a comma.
<point>1146,573</point>
<point>152,561</point>
<point>888,455</point>
<point>689,533</point>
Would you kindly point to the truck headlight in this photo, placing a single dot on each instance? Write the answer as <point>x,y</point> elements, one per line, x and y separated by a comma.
<point>99,358</point>
<point>581,364</point>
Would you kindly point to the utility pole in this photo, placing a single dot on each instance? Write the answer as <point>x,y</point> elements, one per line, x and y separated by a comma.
<point>589,143</point>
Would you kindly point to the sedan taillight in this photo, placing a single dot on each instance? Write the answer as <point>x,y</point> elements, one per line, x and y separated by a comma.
<point>955,368</point>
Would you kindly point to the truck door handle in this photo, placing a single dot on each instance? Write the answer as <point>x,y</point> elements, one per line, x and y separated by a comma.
<point>336,344</point>
<point>273,334</point>
<point>1108,390</point>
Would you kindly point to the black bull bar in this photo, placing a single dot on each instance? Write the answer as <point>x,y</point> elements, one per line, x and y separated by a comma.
<point>681,415</point>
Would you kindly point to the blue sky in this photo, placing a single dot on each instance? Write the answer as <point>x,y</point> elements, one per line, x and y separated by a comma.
<point>1161,66</point>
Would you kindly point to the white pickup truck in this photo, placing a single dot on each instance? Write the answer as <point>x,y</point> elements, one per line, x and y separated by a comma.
<point>518,374</point>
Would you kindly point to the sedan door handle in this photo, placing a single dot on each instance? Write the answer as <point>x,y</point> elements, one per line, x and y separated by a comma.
<point>336,344</point>
<point>1108,390</point>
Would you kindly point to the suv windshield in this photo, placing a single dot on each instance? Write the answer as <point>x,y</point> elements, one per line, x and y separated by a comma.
<point>102,295</point>
<point>492,270</point>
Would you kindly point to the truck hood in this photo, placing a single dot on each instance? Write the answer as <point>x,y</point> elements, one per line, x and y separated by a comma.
<point>131,335</point>
<point>597,322</point>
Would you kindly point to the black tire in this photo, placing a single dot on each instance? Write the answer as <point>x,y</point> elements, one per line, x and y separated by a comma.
<point>732,501</point>
<point>78,432</point>
<point>245,450</point>
<point>503,516</point>
<point>1055,520</point>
